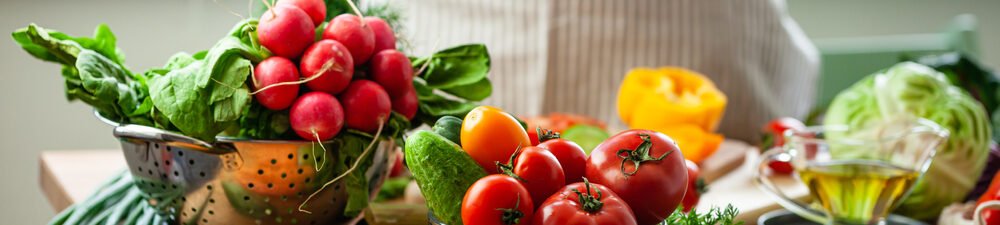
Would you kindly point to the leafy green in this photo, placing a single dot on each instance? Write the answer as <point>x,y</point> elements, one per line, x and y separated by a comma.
<point>92,71</point>
<point>456,66</point>
<point>714,216</point>
<point>350,146</point>
<point>980,82</point>
<point>393,188</point>
<point>477,91</point>
<point>203,95</point>
<point>913,90</point>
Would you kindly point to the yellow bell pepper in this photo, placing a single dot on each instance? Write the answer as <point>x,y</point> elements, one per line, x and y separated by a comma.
<point>681,103</point>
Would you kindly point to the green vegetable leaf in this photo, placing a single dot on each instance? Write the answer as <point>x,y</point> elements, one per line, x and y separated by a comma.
<point>477,91</point>
<point>352,144</point>
<point>456,66</point>
<point>93,71</point>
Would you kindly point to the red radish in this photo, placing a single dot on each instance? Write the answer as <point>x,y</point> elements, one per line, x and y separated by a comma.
<point>286,31</point>
<point>350,31</point>
<point>316,116</point>
<point>384,37</point>
<point>392,70</point>
<point>336,76</point>
<point>365,104</point>
<point>271,71</point>
<point>406,104</point>
<point>316,9</point>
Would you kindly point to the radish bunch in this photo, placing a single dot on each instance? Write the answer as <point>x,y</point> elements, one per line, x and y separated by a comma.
<point>314,79</point>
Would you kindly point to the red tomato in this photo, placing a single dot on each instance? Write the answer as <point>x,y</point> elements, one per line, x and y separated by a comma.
<point>497,199</point>
<point>774,133</point>
<point>538,170</point>
<point>571,157</point>
<point>584,203</point>
<point>645,168</point>
<point>777,128</point>
<point>696,187</point>
<point>992,217</point>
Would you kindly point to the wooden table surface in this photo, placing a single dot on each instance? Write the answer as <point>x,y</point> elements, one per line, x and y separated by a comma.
<point>72,175</point>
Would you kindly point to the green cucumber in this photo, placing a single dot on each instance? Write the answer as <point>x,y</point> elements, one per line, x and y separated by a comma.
<point>443,172</point>
<point>450,128</point>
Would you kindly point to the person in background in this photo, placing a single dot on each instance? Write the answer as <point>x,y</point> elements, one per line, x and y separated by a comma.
<point>571,55</point>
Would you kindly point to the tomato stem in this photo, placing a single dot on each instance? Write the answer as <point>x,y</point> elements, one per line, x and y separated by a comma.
<point>639,155</point>
<point>590,203</point>
<point>511,216</point>
<point>701,186</point>
<point>546,134</point>
<point>508,169</point>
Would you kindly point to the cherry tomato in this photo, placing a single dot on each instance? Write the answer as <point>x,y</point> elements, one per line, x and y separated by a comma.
<point>696,187</point>
<point>645,168</point>
<point>774,136</point>
<point>992,217</point>
<point>490,135</point>
<point>776,129</point>
<point>584,203</point>
<point>497,199</point>
<point>571,157</point>
<point>538,170</point>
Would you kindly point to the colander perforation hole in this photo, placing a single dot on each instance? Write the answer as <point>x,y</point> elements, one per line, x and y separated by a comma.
<point>203,220</point>
<point>167,162</point>
<point>202,174</point>
<point>300,171</point>
<point>156,145</point>
<point>180,153</point>
<point>156,164</point>
<point>176,173</point>
<point>170,149</point>
<point>211,212</point>
<point>140,169</point>
<point>260,172</point>
<point>194,209</point>
<point>247,198</point>
<point>250,185</point>
<point>191,161</point>
<point>270,185</point>
<point>308,179</point>
<point>274,161</point>
<point>283,175</point>
<point>305,156</point>
<point>211,201</point>
<point>291,186</point>
<point>291,156</point>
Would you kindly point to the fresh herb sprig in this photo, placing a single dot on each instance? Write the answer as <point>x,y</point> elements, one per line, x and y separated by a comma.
<point>714,216</point>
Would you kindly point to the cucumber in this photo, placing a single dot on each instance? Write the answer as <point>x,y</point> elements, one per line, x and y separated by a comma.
<point>450,128</point>
<point>443,172</point>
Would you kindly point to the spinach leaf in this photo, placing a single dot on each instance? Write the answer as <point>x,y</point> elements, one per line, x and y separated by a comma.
<point>205,93</point>
<point>259,122</point>
<point>352,144</point>
<point>93,71</point>
<point>474,92</point>
<point>455,66</point>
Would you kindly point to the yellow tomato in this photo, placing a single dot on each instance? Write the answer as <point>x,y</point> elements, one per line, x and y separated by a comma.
<point>490,135</point>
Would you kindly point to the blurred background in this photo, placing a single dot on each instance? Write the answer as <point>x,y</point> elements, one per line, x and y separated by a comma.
<point>36,117</point>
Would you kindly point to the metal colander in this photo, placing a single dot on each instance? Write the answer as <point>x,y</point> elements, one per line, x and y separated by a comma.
<point>242,181</point>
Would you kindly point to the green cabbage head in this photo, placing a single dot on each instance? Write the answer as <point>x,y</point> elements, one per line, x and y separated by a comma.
<point>910,89</point>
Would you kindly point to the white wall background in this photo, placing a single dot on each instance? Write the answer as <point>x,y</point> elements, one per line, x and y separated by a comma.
<point>34,115</point>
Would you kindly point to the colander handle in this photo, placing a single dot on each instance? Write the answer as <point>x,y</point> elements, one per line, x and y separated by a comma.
<point>168,138</point>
